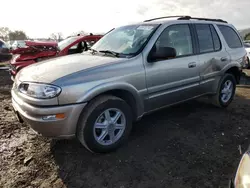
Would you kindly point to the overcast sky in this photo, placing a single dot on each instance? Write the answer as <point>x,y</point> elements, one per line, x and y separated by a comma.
<point>39,18</point>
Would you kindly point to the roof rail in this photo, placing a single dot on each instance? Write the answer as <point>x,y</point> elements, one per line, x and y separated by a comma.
<point>187,18</point>
<point>164,17</point>
<point>205,19</point>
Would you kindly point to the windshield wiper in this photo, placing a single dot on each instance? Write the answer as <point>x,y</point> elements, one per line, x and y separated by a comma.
<point>116,54</point>
<point>93,50</point>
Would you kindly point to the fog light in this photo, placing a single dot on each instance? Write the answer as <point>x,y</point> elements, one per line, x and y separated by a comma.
<point>54,117</point>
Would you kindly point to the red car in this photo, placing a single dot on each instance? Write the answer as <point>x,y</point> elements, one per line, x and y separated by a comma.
<point>37,51</point>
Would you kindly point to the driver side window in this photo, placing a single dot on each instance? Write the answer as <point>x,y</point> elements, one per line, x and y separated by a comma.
<point>78,48</point>
<point>177,37</point>
<point>73,47</point>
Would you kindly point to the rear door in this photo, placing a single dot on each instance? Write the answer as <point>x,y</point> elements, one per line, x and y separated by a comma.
<point>212,56</point>
<point>173,80</point>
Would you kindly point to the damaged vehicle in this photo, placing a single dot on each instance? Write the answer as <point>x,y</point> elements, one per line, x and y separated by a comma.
<point>34,52</point>
<point>247,47</point>
<point>130,72</point>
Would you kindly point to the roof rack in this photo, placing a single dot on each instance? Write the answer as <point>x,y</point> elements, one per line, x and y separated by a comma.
<point>187,18</point>
<point>205,19</point>
<point>163,18</point>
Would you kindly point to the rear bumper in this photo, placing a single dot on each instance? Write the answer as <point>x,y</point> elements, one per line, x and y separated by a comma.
<point>58,128</point>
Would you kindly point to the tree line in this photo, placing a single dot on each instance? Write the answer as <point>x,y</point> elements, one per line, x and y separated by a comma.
<point>247,36</point>
<point>6,34</point>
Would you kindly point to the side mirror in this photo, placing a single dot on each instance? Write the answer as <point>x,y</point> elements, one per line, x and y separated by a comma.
<point>161,53</point>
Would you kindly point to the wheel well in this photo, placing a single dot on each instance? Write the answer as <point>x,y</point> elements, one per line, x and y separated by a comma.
<point>126,96</point>
<point>236,72</point>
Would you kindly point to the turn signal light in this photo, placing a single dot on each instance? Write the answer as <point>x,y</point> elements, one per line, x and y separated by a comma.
<point>54,117</point>
<point>60,116</point>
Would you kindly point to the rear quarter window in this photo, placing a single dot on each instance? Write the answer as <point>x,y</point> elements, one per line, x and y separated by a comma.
<point>232,38</point>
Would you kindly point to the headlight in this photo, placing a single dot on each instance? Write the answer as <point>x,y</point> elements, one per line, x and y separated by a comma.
<point>40,91</point>
<point>242,178</point>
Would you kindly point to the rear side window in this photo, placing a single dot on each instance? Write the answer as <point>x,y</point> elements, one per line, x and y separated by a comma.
<point>216,39</point>
<point>205,38</point>
<point>231,37</point>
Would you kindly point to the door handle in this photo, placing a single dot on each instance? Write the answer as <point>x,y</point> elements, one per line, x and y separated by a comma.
<point>223,59</point>
<point>191,65</point>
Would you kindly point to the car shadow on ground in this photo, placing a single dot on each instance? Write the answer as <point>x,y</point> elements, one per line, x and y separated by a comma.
<point>190,145</point>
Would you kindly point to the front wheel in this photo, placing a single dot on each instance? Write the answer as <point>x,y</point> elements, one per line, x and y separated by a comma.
<point>105,124</point>
<point>226,91</point>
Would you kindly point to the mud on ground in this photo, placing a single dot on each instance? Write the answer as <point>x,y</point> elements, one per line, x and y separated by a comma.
<point>189,145</point>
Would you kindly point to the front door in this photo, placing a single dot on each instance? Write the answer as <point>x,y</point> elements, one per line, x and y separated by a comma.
<point>173,80</point>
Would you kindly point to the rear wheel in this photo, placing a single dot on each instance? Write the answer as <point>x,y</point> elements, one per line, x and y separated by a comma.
<point>226,91</point>
<point>105,124</point>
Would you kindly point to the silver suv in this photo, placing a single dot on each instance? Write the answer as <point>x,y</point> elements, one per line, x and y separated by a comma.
<point>130,72</point>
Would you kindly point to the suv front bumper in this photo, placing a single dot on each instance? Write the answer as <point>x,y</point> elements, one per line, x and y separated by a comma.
<point>56,128</point>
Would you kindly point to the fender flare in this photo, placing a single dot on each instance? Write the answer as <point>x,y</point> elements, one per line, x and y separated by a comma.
<point>108,87</point>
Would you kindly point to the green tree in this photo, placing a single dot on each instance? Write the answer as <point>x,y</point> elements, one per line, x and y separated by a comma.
<point>247,36</point>
<point>17,35</point>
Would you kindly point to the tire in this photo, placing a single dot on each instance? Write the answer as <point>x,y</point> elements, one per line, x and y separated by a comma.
<point>218,98</point>
<point>87,132</point>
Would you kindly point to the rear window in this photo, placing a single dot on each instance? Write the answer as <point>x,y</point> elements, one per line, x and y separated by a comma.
<point>231,37</point>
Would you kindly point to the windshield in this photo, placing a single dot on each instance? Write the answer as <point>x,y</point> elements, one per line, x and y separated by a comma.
<point>66,42</point>
<point>19,44</point>
<point>126,40</point>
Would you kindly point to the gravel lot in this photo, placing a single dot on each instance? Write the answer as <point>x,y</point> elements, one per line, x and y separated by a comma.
<point>189,145</point>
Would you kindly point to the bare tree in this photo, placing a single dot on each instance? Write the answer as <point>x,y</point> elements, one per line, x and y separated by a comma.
<point>4,33</point>
<point>80,33</point>
<point>56,36</point>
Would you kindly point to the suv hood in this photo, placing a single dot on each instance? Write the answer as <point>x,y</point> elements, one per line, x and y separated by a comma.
<point>50,70</point>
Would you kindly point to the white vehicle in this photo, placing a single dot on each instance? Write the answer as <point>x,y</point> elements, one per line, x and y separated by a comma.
<point>247,47</point>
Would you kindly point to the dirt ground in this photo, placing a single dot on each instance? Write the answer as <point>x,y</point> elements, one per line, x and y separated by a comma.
<point>189,145</point>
